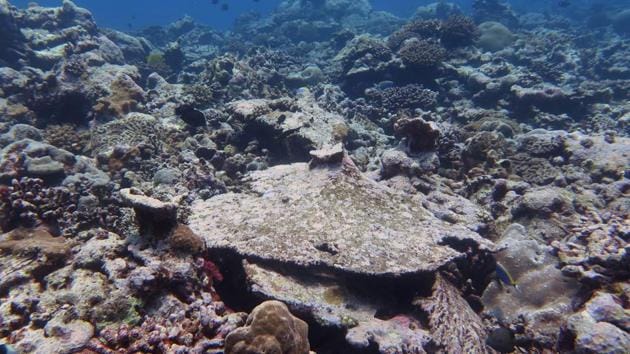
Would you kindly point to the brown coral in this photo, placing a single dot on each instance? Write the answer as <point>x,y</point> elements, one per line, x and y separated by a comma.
<point>67,137</point>
<point>269,329</point>
<point>420,134</point>
<point>184,239</point>
<point>34,242</point>
<point>125,97</point>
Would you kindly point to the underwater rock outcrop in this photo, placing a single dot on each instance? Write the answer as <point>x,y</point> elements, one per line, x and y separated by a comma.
<point>288,129</point>
<point>13,43</point>
<point>329,216</point>
<point>601,327</point>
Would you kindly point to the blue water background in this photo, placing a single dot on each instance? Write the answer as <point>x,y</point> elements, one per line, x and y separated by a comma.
<point>136,14</point>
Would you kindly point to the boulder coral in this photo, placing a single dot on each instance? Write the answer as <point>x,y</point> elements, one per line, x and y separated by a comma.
<point>272,329</point>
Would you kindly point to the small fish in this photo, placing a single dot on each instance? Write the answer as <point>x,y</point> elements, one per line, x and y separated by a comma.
<point>214,2</point>
<point>504,276</point>
<point>302,91</point>
<point>564,3</point>
<point>225,7</point>
<point>7,349</point>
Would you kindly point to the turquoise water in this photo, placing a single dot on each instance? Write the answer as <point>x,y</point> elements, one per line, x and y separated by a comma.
<point>134,14</point>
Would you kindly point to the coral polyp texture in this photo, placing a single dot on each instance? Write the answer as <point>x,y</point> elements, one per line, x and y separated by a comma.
<point>326,176</point>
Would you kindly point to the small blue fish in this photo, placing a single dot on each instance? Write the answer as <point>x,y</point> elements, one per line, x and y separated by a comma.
<point>7,349</point>
<point>504,276</point>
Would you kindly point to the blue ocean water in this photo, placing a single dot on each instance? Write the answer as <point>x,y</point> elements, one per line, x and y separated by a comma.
<point>134,14</point>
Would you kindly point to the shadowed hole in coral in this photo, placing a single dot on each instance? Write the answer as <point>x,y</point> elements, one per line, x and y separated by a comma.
<point>476,265</point>
<point>283,148</point>
<point>72,108</point>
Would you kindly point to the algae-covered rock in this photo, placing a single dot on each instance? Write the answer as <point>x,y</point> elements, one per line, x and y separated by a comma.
<point>543,296</point>
<point>289,130</point>
<point>592,336</point>
<point>57,337</point>
<point>331,216</point>
<point>40,159</point>
<point>399,334</point>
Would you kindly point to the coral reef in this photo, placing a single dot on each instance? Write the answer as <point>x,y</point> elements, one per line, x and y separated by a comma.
<point>414,29</point>
<point>441,183</point>
<point>494,10</point>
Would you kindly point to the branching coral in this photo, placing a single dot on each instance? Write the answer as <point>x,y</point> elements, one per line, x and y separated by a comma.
<point>458,31</point>
<point>362,47</point>
<point>422,54</point>
<point>421,29</point>
<point>28,202</point>
<point>405,97</point>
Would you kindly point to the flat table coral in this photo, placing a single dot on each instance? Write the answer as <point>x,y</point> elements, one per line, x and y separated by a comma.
<point>330,216</point>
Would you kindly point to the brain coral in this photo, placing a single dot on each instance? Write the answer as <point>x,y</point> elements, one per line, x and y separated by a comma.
<point>269,329</point>
<point>494,36</point>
